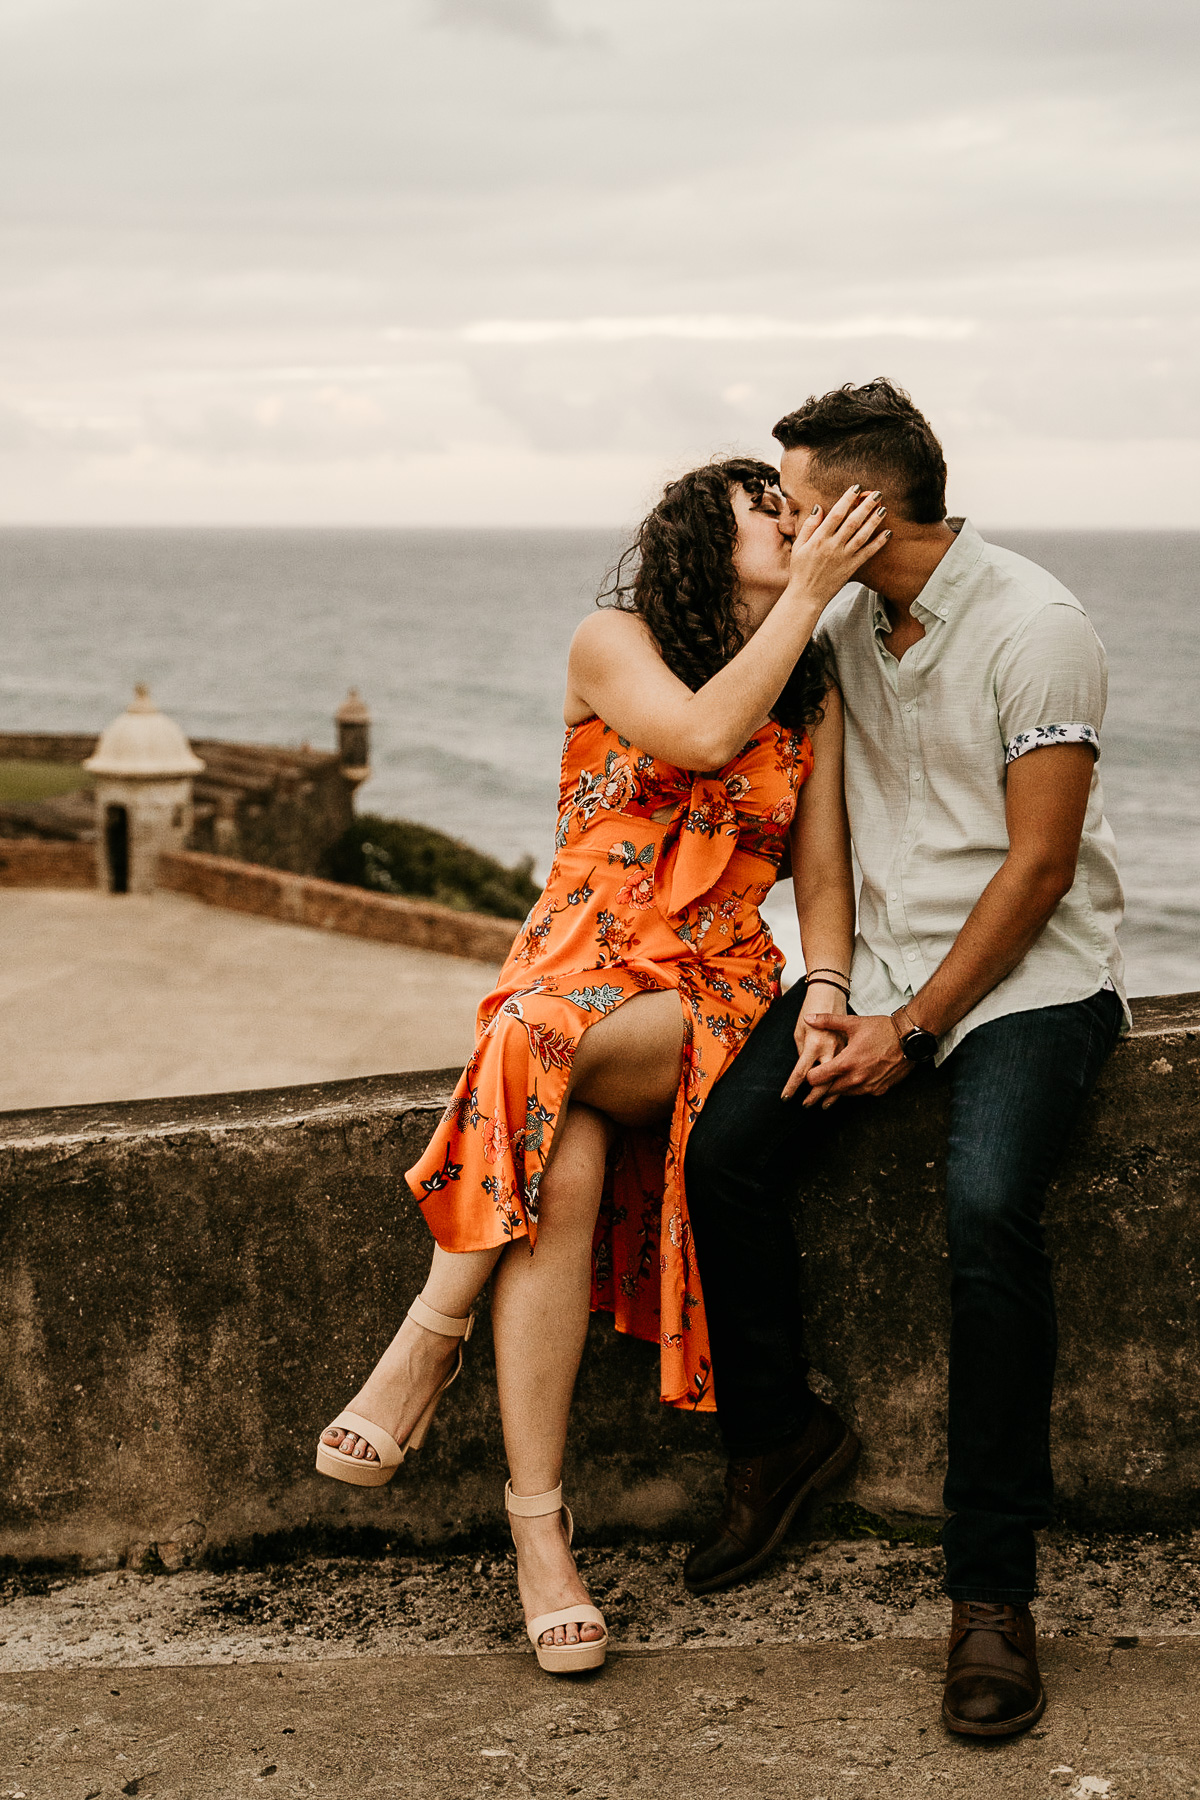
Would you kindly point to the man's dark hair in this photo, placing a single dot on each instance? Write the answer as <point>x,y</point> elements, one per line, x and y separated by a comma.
<point>875,435</point>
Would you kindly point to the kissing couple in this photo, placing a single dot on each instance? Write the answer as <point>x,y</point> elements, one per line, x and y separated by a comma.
<point>643,1100</point>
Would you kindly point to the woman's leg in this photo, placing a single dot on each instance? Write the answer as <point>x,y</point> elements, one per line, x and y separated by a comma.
<point>628,1068</point>
<point>417,1361</point>
<point>539,1321</point>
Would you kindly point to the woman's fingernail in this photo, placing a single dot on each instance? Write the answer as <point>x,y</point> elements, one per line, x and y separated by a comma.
<point>879,511</point>
<point>887,534</point>
<point>815,510</point>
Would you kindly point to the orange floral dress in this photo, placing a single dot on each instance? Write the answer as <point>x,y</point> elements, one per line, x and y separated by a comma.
<point>632,904</point>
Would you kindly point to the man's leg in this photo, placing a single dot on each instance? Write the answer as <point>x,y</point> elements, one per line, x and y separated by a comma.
<point>1016,1087</point>
<point>744,1156</point>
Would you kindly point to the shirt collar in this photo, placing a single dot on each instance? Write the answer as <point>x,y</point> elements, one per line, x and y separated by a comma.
<point>944,591</point>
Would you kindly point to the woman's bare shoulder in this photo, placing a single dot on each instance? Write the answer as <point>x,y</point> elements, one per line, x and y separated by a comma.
<point>606,641</point>
<point>606,628</point>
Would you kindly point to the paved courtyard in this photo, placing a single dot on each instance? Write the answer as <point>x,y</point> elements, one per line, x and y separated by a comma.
<point>122,997</point>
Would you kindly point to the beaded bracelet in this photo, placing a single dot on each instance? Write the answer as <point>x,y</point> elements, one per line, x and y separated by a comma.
<point>822,981</point>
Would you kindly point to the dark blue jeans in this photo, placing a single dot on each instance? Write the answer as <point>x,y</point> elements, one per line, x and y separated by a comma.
<point>1015,1088</point>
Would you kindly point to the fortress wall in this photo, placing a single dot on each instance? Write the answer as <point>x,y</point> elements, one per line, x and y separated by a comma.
<point>46,863</point>
<point>46,746</point>
<point>277,806</point>
<point>334,906</point>
<point>189,1289</point>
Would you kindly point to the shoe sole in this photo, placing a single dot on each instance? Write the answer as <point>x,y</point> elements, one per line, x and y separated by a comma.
<point>572,1659</point>
<point>1009,1728</point>
<point>835,1464</point>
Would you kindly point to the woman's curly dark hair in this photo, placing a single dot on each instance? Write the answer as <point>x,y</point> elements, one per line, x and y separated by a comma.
<point>678,576</point>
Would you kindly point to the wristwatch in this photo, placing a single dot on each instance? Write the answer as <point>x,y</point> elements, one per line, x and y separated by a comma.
<point>919,1046</point>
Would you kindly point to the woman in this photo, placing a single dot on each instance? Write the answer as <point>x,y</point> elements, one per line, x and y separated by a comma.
<point>636,978</point>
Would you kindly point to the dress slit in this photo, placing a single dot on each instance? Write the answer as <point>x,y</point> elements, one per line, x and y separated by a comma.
<point>633,904</point>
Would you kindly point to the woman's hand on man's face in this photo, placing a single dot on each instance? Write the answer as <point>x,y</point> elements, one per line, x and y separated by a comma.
<point>830,547</point>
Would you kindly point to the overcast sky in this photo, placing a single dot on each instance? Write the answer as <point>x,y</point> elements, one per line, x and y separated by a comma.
<point>513,261</point>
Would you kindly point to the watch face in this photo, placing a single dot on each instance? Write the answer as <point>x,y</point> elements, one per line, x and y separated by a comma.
<point>919,1046</point>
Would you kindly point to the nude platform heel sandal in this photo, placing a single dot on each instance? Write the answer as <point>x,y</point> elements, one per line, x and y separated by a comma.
<point>390,1453</point>
<point>559,1659</point>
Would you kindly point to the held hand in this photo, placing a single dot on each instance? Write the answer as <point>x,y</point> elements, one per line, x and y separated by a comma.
<point>830,547</point>
<point>816,1045</point>
<point>870,1063</point>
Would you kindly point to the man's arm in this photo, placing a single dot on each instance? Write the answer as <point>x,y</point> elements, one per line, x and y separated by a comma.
<point>1046,798</point>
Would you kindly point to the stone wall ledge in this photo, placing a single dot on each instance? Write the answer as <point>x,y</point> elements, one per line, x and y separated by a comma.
<point>275,894</point>
<point>190,1288</point>
<point>335,906</point>
<point>33,862</point>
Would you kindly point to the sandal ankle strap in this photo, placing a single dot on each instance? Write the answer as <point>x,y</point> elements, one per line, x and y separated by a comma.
<point>442,1323</point>
<point>532,1506</point>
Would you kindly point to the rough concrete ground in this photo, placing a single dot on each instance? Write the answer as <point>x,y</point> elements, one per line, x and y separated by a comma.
<point>1104,1589</point>
<point>130,996</point>
<point>411,1677</point>
<point>806,1722</point>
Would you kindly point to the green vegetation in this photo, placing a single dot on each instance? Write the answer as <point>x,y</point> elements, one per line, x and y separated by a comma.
<point>22,782</point>
<point>394,856</point>
<point>846,1519</point>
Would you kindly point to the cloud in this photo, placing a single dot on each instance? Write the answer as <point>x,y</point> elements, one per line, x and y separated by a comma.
<point>638,256</point>
<point>709,328</point>
<point>532,19</point>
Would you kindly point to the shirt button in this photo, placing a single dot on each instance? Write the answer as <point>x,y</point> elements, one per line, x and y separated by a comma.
<point>911,955</point>
<point>893,895</point>
<point>911,707</point>
<point>916,776</point>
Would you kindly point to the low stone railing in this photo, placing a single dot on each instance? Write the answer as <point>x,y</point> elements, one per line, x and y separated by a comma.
<point>275,894</point>
<point>191,1288</point>
<point>335,906</point>
<point>46,863</point>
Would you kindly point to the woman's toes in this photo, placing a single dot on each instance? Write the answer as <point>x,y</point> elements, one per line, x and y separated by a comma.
<point>332,1435</point>
<point>571,1634</point>
<point>347,1444</point>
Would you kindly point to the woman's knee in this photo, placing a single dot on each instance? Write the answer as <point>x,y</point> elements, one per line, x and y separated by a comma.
<point>629,1064</point>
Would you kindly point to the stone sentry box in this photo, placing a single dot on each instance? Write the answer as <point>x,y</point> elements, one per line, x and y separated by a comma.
<point>189,1289</point>
<point>143,768</point>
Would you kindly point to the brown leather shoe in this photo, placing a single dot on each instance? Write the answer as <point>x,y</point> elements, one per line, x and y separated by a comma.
<point>993,1687</point>
<point>763,1494</point>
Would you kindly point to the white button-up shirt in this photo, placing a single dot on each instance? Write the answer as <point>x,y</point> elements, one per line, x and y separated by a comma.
<point>1009,663</point>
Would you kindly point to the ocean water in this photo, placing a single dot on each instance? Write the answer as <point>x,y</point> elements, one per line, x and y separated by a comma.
<point>458,641</point>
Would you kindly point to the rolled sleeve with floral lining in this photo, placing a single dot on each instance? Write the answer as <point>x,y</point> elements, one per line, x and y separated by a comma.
<point>1052,683</point>
<point>1042,736</point>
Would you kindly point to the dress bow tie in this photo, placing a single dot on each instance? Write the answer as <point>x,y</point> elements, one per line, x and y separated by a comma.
<point>700,838</point>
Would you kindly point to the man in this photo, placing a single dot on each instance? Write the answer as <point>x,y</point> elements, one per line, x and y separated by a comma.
<point>974,691</point>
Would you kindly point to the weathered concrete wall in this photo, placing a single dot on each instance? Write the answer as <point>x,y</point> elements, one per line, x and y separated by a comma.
<point>191,1289</point>
<point>39,862</point>
<point>333,906</point>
